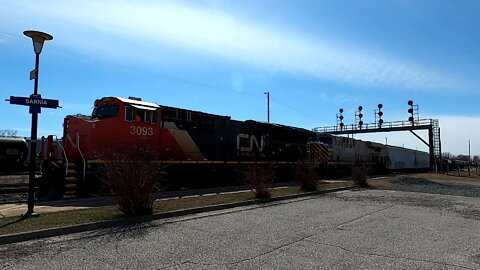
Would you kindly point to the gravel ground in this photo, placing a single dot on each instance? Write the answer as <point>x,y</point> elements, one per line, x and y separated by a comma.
<point>414,184</point>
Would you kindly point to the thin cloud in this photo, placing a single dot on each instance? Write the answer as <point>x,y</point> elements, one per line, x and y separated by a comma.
<point>137,29</point>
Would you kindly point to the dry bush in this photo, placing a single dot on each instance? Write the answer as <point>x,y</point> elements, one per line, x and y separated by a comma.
<point>259,179</point>
<point>133,177</point>
<point>306,176</point>
<point>359,175</point>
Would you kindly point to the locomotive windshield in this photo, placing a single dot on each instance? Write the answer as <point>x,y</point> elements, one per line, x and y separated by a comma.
<point>105,112</point>
<point>327,140</point>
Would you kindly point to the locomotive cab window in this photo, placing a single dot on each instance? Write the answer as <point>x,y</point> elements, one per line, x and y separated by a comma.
<point>139,114</point>
<point>129,113</point>
<point>105,112</point>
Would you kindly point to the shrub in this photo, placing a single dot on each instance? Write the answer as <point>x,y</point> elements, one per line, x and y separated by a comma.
<point>133,177</point>
<point>306,176</point>
<point>359,175</point>
<point>259,179</point>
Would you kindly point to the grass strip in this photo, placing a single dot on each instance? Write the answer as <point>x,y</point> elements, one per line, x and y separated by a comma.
<point>12,225</point>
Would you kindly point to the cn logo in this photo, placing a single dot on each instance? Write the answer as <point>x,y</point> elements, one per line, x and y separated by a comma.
<point>245,143</point>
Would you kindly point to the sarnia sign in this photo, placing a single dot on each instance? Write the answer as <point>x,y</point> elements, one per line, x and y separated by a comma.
<point>33,101</point>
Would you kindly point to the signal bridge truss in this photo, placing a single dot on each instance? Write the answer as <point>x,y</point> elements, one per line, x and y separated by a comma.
<point>434,143</point>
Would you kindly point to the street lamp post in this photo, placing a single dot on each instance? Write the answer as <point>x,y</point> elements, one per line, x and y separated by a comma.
<point>38,39</point>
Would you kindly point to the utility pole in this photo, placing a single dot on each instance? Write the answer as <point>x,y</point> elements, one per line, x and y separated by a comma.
<point>468,157</point>
<point>268,106</point>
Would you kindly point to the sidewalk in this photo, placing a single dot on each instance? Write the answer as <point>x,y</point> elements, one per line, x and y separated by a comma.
<point>17,209</point>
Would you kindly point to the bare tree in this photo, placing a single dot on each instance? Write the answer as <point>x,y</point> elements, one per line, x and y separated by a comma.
<point>134,177</point>
<point>260,179</point>
<point>448,155</point>
<point>306,176</point>
<point>462,157</point>
<point>8,132</point>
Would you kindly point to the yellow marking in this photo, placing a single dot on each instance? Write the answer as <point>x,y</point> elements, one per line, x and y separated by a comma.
<point>71,186</point>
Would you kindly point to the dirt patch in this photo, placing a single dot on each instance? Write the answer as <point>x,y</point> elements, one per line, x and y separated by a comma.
<point>423,185</point>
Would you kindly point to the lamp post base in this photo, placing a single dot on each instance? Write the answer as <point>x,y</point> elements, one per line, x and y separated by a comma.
<point>33,214</point>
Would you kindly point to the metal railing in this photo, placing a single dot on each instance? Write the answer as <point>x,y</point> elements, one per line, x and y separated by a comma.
<point>394,124</point>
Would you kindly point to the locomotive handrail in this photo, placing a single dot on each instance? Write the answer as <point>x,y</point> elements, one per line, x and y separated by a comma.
<point>64,154</point>
<point>393,124</point>
<point>83,158</point>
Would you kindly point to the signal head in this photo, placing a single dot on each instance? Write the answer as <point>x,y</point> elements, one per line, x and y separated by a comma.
<point>380,106</point>
<point>360,108</point>
<point>410,110</point>
<point>360,115</point>
<point>341,117</point>
<point>410,119</point>
<point>341,110</point>
<point>410,102</point>
<point>380,121</point>
<point>360,123</point>
<point>380,114</point>
<point>342,124</point>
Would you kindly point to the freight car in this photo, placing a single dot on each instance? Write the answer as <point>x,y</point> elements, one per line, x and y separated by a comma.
<point>13,154</point>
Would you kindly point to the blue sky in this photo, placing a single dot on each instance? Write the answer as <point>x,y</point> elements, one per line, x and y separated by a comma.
<point>220,56</point>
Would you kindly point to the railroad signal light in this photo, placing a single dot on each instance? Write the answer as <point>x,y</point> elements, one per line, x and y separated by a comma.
<point>378,112</point>
<point>359,116</point>
<point>340,117</point>
<point>411,111</point>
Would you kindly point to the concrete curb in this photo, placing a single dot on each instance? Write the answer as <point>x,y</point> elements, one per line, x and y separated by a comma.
<point>21,237</point>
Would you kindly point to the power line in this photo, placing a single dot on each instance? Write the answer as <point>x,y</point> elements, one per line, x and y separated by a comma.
<point>156,73</point>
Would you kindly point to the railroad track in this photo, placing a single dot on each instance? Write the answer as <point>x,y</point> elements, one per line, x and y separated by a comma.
<point>13,188</point>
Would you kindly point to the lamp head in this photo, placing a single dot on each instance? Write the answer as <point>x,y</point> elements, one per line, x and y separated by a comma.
<point>38,39</point>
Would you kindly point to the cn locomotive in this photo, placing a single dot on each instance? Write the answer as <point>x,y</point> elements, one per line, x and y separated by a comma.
<point>201,149</point>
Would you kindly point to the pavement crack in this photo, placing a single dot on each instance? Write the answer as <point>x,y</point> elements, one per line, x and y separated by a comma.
<point>253,257</point>
<point>387,256</point>
<point>363,216</point>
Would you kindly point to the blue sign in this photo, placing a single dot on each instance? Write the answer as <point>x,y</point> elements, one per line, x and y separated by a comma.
<point>36,102</point>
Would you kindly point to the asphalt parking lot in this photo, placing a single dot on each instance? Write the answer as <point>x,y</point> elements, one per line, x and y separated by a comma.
<point>365,229</point>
